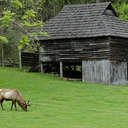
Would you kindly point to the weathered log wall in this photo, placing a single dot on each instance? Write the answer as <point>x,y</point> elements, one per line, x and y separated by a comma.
<point>76,49</point>
<point>119,49</point>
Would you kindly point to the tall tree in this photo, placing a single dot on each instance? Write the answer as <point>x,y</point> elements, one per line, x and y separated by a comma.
<point>3,40</point>
<point>20,18</point>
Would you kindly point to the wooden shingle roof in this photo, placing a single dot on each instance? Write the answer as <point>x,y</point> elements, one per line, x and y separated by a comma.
<point>86,20</point>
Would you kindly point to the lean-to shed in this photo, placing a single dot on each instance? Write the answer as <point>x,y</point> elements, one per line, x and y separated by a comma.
<point>91,36</point>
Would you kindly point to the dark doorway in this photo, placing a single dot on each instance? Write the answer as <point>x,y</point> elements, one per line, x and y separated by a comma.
<point>72,70</point>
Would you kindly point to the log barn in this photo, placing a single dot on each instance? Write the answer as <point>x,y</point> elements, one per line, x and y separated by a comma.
<point>87,41</point>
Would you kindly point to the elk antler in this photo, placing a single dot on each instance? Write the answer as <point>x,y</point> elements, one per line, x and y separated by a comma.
<point>28,103</point>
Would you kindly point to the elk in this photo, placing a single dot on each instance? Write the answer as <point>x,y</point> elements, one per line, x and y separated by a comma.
<point>14,96</point>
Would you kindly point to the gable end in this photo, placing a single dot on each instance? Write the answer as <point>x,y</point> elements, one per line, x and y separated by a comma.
<point>110,11</point>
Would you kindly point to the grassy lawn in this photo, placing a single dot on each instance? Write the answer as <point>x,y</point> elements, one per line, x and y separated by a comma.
<point>63,104</point>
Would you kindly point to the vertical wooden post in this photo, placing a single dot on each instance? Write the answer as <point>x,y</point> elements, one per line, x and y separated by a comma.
<point>83,71</point>
<point>61,69</point>
<point>41,67</point>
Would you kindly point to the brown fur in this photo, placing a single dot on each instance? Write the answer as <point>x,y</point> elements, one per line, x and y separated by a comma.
<point>14,96</point>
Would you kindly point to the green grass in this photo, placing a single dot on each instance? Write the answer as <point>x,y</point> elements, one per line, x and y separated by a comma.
<point>63,104</point>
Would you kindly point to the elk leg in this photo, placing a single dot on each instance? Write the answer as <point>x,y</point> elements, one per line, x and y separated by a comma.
<point>15,106</point>
<point>12,105</point>
<point>1,103</point>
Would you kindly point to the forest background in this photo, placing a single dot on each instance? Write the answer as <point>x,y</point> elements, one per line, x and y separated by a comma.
<point>18,17</point>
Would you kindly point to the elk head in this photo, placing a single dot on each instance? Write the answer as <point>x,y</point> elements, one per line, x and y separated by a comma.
<point>24,105</point>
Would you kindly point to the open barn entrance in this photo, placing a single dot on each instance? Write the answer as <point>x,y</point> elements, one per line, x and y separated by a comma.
<point>72,70</point>
<point>50,67</point>
<point>69,70</point>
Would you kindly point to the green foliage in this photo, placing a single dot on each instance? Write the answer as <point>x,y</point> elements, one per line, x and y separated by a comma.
<point>23,41</point>
<point>34,35</point>
<point>6,19</point>
<point>16,4</point>
<point>122,10</point>
<point>10,48</point>
<point>17,16</point>
<point>30,25</point>
<point>43,34</point>
<point>29,14</point>
<point>3,39</point>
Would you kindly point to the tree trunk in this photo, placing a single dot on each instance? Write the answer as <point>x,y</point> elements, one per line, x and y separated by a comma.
<point>39,62</point>
<point>2,55</point>
<point>20,61</point>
